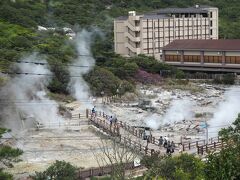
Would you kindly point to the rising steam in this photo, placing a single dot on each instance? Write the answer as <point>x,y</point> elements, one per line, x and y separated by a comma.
<point>25,97</point>
<point>179,110</point>
<point>78,87</point>
<point>226,112</point>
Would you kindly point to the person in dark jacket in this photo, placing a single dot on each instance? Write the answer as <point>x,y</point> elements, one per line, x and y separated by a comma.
<point>172,147</point>
<point>169,148</point>
<point>160,141</point>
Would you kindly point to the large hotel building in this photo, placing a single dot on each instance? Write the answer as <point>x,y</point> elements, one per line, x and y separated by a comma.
<point>149,33</point>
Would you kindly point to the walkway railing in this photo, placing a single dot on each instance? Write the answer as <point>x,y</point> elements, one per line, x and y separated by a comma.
<point>186,146</point>
<point>114,131</point>
<point>100,171</point>
<point>201,150</point>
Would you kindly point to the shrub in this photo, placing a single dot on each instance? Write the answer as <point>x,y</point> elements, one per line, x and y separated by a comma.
<point>224,79</point>
<point>60,80</point>
<point>228,78</point>
<point>60,170</point>
<point>147,78</point>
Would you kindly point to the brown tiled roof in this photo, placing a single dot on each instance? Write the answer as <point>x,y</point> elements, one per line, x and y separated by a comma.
<point>221,44</point>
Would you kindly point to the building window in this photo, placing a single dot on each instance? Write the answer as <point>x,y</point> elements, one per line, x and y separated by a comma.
<point>232,60</point>
<point>212,59</point>
<point>210,14</point>
<point>211,32</point>
<point>173,58</point>
<point>211,23</point>
<point>192,58</point>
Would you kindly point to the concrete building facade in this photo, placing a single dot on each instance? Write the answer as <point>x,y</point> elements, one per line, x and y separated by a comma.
<point>204,55</point>
<point>149,33</point>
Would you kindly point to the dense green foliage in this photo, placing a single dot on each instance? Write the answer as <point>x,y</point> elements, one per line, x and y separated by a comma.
<point>60,170</point>
<point>19,36</point>
<point>218,166</point>
<point>184,167</point>
<point>226,164</point>
<point>7,156</point>
<point>104,80</point>
<point>228,78</point>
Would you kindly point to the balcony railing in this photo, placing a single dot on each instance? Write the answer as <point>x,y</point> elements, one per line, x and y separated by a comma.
<point>132,38</point>
<point>132,27</point>
<point>133,49</point>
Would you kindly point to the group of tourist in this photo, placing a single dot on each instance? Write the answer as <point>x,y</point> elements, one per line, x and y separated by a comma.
<point>170,146</point>
<point>111,119</point>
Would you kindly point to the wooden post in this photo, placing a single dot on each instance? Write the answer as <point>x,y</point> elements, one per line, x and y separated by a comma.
<point>79,173</point>
<point>189,145</point>
<point>196,143</point>
<point>146,149</point>
<point>214,145</point>
<point>183,147</point>
<point>91,172</point>
<point>87,113</point>
<point>118,130</point>
<point>153,140</point>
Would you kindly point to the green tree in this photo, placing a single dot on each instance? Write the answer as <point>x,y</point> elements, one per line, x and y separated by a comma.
<point>228,78</point>
<point>183,167</point>
<point>60,170</point>
<point>61,78</point>
<point>101,79</point>
<point>226,163</point>
<point>8,155</point>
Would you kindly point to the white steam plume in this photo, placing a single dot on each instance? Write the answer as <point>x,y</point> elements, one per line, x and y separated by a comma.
<point>78,87</point>
<point>26,96</point>
<point>226,112</point>
<point>179,110</point>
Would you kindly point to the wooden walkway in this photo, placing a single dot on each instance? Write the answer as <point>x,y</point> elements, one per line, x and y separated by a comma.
<point>125,133</point>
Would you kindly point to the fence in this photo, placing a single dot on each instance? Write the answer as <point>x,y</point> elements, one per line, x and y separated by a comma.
<point>100,171</point>
<point>131,129</point>
<point>114,130</point>
<point>186,146</point>
<point>191,145</point>
<point>211,147</point>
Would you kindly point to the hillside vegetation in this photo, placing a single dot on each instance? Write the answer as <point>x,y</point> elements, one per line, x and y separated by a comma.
<point>19,36</point>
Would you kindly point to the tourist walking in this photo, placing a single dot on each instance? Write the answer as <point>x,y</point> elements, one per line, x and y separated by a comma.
<point>160,143</point>
<point>172,147</point>
<point>93,112</point>
<point>168,148</point>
